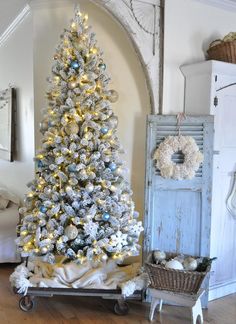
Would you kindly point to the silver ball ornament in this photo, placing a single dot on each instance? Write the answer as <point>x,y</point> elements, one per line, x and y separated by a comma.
<point>113,96</point>
<point>71,232</point>
<point>44,250</point>
<point>89,187</point>
<point>104,257</point>
<point>43,126</point>
<point>113,122</point>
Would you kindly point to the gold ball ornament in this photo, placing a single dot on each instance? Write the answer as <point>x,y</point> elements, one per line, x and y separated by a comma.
<point>112,96</point>
<point>72,84</point>
<point>72,128</point>
<point>71,232</point>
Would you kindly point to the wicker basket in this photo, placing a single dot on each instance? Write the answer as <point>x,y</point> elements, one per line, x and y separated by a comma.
<point>174,280</point>
<point>225,51</point>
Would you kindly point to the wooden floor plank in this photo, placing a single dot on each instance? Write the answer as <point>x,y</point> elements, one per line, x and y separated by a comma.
<point>80,310</point>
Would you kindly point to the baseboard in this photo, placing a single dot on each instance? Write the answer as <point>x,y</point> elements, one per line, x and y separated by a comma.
<point>222,289</point>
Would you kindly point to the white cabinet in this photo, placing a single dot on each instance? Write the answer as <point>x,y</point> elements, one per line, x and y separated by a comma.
<point>210,88</point>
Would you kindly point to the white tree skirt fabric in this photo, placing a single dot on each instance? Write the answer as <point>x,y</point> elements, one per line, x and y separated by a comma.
<point>71,275</point>
<point>9,218</point>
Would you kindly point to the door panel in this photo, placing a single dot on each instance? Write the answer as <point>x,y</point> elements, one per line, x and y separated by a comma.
<point>223,232</point>
<point>178,213</point>
<point>177,226</point>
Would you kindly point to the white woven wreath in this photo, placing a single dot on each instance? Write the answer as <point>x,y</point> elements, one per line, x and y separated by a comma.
<point>192,157</point>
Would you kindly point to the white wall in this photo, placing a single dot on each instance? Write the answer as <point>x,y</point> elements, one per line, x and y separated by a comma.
<point>16,68</point>
<point>124,68</point>
<point>190,26</point>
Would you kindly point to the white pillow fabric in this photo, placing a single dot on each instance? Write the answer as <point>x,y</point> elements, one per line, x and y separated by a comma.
<point>5,194</point>
<point>3,203</point>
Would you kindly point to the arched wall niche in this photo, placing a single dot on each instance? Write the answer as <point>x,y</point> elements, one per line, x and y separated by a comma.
<point>143,23</point>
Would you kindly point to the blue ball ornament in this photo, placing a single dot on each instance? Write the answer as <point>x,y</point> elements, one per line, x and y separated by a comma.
<point>39,164</point>
<point>75,64</point>
<point>43,209</point>
<point>72,168</point>
<point>112,166</point>
<point>102,66</point>
<point>104,130</point>
<point>106,217</point>
<point>135,214</point>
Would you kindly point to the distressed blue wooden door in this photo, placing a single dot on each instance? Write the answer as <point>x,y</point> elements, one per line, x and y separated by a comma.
<point>178,212</point>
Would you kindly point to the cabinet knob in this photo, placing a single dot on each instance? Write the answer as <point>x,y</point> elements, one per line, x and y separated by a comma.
<point>216,101</point>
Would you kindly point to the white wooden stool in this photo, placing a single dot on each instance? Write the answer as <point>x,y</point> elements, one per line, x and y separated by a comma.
<point>188,300</point>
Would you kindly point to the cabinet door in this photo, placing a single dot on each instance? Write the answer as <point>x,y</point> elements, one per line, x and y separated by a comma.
<point>223,232</point>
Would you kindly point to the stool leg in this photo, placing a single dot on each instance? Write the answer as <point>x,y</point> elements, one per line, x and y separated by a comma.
<point>153,307</point>
<point>160,305</point>
<point>197,312</point>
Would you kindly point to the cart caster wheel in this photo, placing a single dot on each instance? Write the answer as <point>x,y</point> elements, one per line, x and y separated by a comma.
<point>121,308</point>
<point>26,304</point>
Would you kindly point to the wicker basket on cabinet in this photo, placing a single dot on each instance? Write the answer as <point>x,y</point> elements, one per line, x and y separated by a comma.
<point>223,51</point>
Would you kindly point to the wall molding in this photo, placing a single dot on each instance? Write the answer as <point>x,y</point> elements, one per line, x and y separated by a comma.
<point>15,24</point>
<point>222,289</point>
<point>41,4</point>
<point>228,5</point>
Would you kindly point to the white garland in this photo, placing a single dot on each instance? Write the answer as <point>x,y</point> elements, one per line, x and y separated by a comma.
<point>192,157</point>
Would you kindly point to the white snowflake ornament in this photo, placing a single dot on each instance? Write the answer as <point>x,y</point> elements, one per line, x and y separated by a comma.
<point>91,229</point>
<point>118,240</point>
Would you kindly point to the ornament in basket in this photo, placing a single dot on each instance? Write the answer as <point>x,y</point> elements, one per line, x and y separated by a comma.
<point>177,273</point>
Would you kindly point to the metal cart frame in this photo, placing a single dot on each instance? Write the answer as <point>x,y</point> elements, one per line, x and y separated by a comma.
<point>121,307</point>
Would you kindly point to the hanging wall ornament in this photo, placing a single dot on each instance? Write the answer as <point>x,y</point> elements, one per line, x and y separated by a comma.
<point>174,144</point>
<point>187,146</point>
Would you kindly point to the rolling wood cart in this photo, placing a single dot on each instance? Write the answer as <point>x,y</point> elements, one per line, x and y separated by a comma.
<point>121,307</point>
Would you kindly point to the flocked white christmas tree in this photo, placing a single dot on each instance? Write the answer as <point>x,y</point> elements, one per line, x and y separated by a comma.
<point>80,205</point>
